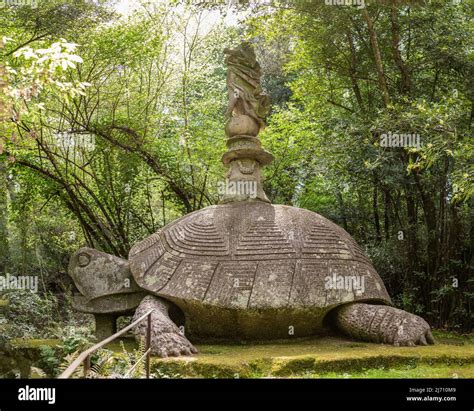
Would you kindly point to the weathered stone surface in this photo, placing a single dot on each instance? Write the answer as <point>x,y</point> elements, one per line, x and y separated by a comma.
<point>105,325</point>
<point>246,96</point>
<point>259,269</point>
<point>324,357</point>
<point>107,288</point>
<point>248,107</point>
<point>241,125</point>
<point>246,269</point>
<point>118,303</point>
<point>97,274</point>
<point>383,324</point>
<point>167,340</point>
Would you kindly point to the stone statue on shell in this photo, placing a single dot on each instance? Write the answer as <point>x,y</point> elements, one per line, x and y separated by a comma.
<point>246,96</point>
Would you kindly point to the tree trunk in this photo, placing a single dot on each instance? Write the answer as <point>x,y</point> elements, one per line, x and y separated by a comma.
<point>411,232</point>
<point>429,211</point>
<point>386,213</point>
<point>375,210</point>
<point>353,72</point>
<point>4,247</point>
<point>377,57</point>
<point>405,83</point>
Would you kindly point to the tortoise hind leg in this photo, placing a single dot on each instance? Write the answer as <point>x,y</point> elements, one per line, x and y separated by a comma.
<point>382,324</point>
<point>166,338</point>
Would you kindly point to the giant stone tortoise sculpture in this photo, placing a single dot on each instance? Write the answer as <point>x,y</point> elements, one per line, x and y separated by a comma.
<point>244,269</point>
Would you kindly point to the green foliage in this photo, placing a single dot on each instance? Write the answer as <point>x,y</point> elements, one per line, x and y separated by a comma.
<point>74,341</point>
<point>409,206</point>
<point>106,363</point>
<point>49,361</point>
<point>137,142</point>
<point>32,315</point>
<point>29,314</point>
<point>55,360</point>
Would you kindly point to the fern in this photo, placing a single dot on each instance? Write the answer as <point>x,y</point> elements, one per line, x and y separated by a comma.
<point>67,361</point>
<point>40,373</point>
<point>105,364</point>
<point>134,359</point>
<point>101,366</point>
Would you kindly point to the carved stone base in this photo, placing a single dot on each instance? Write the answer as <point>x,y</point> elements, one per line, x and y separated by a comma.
<point>244,182</point>
<point>105,325</point>
<point>245,159</point>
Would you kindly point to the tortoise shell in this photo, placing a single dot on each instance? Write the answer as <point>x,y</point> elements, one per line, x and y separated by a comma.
<point>254,257</point>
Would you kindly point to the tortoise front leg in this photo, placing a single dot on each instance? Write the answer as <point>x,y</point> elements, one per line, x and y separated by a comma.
<point>166,338</point>
<point>383,324</point>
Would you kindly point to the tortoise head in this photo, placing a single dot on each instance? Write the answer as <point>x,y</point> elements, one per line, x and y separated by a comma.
<point>98,274</point>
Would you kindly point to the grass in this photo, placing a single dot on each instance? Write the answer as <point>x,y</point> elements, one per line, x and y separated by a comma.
<point>328,357</point>
<point>325,357</point>
<point>406,371</point>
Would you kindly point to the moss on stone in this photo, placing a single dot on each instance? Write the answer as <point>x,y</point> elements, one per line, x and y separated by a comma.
<point>19,343</point>
<point>420,371</point>
<point>327,357</point>
<point>317,357</point>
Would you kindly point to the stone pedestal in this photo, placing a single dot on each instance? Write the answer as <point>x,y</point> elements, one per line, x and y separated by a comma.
<point>245,158</point>
<point>105,325</point>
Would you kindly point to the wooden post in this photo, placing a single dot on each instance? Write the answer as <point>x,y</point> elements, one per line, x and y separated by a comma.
<point>87,365</point>
<point>148,345</point>
<point>85,357</point>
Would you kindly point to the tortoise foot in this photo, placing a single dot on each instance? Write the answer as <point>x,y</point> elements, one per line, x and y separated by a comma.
<point>383,324</point>
<point>171,345</point>
<point>167,340</point>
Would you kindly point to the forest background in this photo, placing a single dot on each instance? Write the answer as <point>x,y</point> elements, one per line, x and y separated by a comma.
<point>112,126</point>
